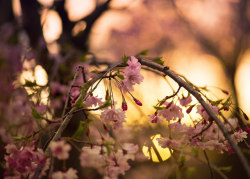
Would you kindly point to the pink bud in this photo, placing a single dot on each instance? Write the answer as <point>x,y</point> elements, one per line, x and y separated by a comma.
<point>226,92</point>
<point>247,129</point>
<point>124,106</point>
<point>168,106</point>
<point>226,108</point>
<point>137,102</point>
<point>105,127</point>
<point>189,109</point>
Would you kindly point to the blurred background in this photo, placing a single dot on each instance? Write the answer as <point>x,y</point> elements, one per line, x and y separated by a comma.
<point>207,41</point>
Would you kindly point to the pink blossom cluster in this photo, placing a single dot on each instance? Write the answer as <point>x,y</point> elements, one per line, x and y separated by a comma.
<point>23,162</point>
<point>60,149</point>
<point>69,174</point>
<point>211,139</point>
<point>114,116</point>
<point>132,74</point>
<point>108,163</point>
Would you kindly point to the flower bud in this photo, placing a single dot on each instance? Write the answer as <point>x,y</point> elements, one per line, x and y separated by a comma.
<point>137,102</point>
<point>124,106</point>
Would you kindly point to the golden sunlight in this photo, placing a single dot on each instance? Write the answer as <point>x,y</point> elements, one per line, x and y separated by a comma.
<point>41,76</point>
<point>78,9</point>
<point>52,25</point>
<point>150,154</point>
<point>242,82</point>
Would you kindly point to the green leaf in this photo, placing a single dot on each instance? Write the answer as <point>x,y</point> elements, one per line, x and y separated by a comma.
<point>108,149</point>
<point>36,114</point>
<point>226,103</point>
<point>120,76</point>
<point>182,160</point>
<point>190,171</point>
<point>158,60</point>
<point>143,53</point>
<point>159,107</point>
<point>215,103</point>
<point>18,139</point>
<point>106,104</point>
<point>124,59</point>
<point>226,168</point>
<point>83,58</point>
<point>80,130</point>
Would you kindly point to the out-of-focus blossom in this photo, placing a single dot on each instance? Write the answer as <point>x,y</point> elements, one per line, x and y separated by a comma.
<point>117,116</point>
<point>169,143</point>
<point>239,136</point>
<point>60,149</point>
<point>110,165</point>
<point>93,100</point>
<point>172,112</point>
<point>203,112</point>
<point>69,174</point>
<point>184,101</point>
<point>155,118</point>
<point>23,162</point>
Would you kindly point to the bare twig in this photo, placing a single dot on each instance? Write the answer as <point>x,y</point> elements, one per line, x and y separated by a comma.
<point>209,166</point>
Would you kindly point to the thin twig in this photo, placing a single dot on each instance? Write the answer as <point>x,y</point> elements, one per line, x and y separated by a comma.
<point>209,166</point>
<point>69,91</point>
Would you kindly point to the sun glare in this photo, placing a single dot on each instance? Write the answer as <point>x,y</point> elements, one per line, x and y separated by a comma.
<point>242,82</point>
<point>150,154</point>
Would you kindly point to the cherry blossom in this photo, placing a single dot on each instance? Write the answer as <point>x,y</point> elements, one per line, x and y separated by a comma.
<point>93,100</point>
<point>184,101</point>
<point>132,75</point>
<point>169,143</point>
<point>155,118</point>
<point>203,112</point>
<point>116,116</point>
<point>60,149</point>
<point>69,174</point>
<point>23,162</point>
<point>239,136</point>
<point>172,112</point>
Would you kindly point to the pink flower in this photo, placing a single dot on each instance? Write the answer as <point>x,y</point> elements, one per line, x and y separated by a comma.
<point>131,78</point>
<point>60,149</point>
<point>93,100</point>
<point>203,112</point>
<point>169,143</point>
<point>75,92</point>
<point>93,157</point>
<point>133,64</point>
<point>172,112</point>
<point>132,75</point>
<point>185,101</point>
<point>69,174</point>
<point>117,116</point>
<point>239,136</point>
<point>155,118</point>
<point>23,162</point>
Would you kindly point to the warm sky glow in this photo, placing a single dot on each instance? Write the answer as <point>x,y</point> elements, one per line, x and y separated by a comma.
<point>164,152</point>
<point>52,25</point>
<point>243,83</point>
<point>77,9</point>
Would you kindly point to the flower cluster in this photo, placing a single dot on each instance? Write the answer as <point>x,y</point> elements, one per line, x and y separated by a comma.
<point>115,116</point>
<point>211,138</point>
<point>132,74</point>
<point>107,161</point>
<point>60,150</point>
<point>23,162</point>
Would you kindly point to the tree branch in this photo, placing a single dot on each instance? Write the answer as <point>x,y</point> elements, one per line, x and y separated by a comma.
<point>191,90</point>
